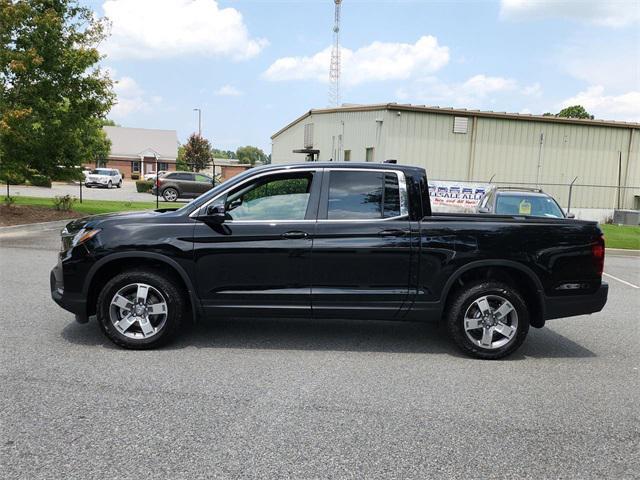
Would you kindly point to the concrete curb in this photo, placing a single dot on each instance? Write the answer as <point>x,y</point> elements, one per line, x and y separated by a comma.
<point>621,252</point>
<point>31,227</point>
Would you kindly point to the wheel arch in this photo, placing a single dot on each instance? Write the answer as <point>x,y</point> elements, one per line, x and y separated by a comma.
<point>522,277</point>
<point>104,269</point>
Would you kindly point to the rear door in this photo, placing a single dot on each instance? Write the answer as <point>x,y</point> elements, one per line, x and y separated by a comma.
<point>203,183</point>
<point>185,182</point>
<point>361,257</point>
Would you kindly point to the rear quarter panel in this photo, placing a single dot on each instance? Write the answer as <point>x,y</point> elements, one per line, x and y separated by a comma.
<point>555,251</point>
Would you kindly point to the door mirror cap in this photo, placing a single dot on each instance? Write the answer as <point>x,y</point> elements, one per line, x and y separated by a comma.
<point>213,214</point>
<point>571,215</point>
<point>484,210</point>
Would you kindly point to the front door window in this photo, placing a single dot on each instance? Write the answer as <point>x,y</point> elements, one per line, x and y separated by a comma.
<point>279,197</point>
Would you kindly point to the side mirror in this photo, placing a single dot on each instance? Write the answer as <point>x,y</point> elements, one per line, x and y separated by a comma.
<point>571,215</point>
<point>214,214</point>
<point>484,210</point>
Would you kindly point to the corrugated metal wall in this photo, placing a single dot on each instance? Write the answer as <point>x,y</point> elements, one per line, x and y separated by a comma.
<point>510,151</point>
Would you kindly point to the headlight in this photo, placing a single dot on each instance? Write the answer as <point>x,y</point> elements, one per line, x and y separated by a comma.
<point>84,235</point>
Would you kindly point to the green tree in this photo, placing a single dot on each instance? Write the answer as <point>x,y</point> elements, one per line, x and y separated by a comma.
<point>53,95</point>
<point>223,153</point>
<point>197,152</point>
<point>574,111</point>
<point>181,164</point>
<point>251,155</point>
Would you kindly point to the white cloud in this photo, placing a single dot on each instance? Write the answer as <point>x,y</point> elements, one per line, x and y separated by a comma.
<point>131,97</point>
<point>146,29</point>
<point>533,90</point>
<point>481,85</point>
<point>228,91</point>
<point>375,62</point>
<point>480,91</point>
<point>615,107</point>
<point>610,13</point>
<point>612,62</point>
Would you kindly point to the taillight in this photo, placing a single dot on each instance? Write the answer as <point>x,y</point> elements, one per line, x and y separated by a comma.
<point>158,183</point>
<point>597,253</point>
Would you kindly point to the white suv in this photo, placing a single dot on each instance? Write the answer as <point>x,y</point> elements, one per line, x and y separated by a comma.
<point>103,177</point>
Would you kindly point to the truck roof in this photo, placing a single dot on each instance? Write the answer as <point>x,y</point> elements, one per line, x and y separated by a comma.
<point>358,165</point>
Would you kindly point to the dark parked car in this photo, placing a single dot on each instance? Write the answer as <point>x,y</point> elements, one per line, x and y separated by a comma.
<point>520,201</point>
<point>329,241</point>
<point>174,185</point>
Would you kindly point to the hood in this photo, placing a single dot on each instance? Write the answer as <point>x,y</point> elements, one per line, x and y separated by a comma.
<point>97,221</point>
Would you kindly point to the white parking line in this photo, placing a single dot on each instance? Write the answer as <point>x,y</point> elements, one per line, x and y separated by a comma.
<point>621,281</point>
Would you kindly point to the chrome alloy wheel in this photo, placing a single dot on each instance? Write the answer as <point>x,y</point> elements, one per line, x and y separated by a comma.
<point>138,311</point>
<point>170,195</point>
<point>491,322</point>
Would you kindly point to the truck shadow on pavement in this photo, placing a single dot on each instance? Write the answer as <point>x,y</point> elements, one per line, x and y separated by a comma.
<point>333,335</point>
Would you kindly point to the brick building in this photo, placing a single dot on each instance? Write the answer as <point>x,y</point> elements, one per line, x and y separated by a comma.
<point>134,150</point>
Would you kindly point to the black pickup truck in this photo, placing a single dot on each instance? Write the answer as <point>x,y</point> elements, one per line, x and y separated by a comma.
<point>330,240</point>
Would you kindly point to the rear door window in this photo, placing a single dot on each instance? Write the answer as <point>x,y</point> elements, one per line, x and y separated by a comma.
<point>181,176</point>
<point>202,178</point>
<point>362,195</point>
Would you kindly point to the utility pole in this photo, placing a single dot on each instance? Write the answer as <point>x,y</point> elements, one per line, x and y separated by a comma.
<point>199,121</point>
<point>334,67</point>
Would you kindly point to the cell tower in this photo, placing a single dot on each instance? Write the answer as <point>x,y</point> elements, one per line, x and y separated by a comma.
<point>334,68</point>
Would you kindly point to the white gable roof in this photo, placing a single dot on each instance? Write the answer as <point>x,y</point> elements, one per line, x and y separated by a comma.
<point>134,142</point>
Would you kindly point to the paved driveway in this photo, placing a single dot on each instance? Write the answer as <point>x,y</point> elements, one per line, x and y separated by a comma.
<point>304,399</point>
<point>127,193</point>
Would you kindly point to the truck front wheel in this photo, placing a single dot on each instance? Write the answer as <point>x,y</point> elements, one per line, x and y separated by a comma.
<point>140,309</point>
<point>488,319</point>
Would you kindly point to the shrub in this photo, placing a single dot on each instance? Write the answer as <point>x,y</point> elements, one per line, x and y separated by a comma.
<point>8,201</point>
<point>64,204</point>
<point>144,186</point>
<point>40,181</point>
<point>13,178</point>
<point>135,176</point>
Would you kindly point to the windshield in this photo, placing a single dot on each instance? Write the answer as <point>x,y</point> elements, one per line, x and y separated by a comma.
<point>535,206</point>
<point>101,171</point>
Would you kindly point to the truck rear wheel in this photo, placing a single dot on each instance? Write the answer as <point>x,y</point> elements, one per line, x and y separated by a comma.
<point>140,309</point>
<point>488,320</point>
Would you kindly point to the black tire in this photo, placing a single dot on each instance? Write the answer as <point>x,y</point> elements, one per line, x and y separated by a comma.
<point>119,185</point>
<point>170,194</point>
<point>174,300</point>
<point>465,297</point>
<point>87,186</point>
<point>109,185</point>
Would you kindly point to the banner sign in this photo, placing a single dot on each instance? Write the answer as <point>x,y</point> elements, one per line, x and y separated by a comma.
<point>456,195</point>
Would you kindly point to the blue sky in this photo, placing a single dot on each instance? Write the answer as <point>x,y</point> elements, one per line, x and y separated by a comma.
<point>253,66</point>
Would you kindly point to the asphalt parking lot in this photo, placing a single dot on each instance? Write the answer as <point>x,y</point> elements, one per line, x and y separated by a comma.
<point>304,399</point>
<point>127,193</point>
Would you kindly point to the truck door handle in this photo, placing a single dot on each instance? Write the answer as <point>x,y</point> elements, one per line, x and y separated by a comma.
<point>295,234</point>
<point>392,233</point>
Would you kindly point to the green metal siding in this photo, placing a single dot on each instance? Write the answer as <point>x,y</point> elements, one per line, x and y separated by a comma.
<point>509,150</point>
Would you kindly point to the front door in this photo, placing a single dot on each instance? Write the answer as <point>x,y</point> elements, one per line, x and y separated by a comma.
<point>362,247</point>
<point>258,262</point>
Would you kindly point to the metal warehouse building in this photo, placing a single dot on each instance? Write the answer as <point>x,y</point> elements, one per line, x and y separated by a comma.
<point>478,146</point>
